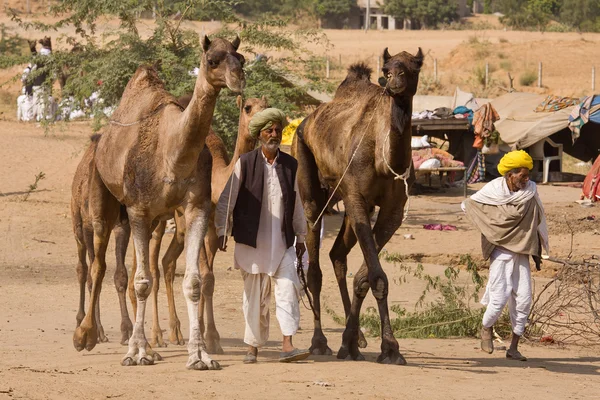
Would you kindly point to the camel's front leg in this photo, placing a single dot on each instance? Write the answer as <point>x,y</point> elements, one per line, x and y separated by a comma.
<point>196,218</point>
<point>141,229</point>
<point>388,221</point>
<point>207,258</point>
<point>156,336</point>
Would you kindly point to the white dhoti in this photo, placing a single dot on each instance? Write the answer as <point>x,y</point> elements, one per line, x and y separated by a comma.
<point>509,282</point>
<point>257,299</point>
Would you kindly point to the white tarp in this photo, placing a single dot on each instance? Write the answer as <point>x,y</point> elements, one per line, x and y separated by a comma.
<point>520,126</point>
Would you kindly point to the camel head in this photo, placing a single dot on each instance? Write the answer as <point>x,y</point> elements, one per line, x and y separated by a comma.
<point>402,72</point>
<point>222,64</point>
<point>251,106</point>
<point>46,42</point>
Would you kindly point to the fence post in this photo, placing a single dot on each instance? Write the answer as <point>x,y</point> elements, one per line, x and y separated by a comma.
<point>487,74</point>
<point>435,70</point>
<point>327,67</point>
<point>540,75</point>
<point>593,78</point>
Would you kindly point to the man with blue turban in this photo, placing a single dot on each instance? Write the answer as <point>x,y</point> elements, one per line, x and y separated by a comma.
<point>509,214</point>
<point>268,222</point>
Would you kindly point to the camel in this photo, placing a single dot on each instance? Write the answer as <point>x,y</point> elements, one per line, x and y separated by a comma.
<point>379,119</point>
<point>83,230</point>
<point>222,167</point>
<point>148,161</point>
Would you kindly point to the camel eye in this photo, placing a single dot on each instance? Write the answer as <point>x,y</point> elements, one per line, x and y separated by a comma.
<point>212,63</point>
<point>248,109</point>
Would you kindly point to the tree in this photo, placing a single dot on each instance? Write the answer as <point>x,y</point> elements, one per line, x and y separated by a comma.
<point>429,13</point>
<point>177,49</point>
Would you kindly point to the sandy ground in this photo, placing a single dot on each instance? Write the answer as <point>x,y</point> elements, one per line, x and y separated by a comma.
<point>39,294</point>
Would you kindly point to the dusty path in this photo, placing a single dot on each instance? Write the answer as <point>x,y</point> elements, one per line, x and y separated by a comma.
<point>38,302</point>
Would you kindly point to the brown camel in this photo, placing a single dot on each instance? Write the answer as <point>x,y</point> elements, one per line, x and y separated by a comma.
<point>222,167</point>
<point>84,233</point>
<point>148,161</point>
<point>379,119</point>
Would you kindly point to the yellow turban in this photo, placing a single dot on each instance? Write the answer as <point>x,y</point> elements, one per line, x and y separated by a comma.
<point>514,159</point>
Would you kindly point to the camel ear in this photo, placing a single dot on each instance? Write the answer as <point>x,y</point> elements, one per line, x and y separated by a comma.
<point>236,42</point>
<point>419,59</point>
<point>205,43</point>
<point>238,101</point>
<point>265,100</point>
<point>386,55</point>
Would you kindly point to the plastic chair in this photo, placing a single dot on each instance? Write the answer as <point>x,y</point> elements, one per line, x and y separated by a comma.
<point>538,154</point>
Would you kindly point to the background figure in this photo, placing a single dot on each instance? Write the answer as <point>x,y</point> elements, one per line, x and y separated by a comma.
<point>25,110</point>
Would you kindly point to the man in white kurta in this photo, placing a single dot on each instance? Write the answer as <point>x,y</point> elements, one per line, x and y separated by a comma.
<point>510,216</point>
<point>271,260</point>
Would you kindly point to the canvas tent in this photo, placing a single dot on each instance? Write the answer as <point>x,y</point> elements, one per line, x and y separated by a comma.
<point>520,126</point>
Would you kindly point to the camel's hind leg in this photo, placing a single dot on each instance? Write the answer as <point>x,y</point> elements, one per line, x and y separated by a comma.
<point>344,242</point>
<point>122,233</point>
<point>314,199</point>
<point>104,211</point>
<point>156,336</point>
<point>169,262</point>
<point>207,258</point>
<point>88,233</point>
<point>82,267</point>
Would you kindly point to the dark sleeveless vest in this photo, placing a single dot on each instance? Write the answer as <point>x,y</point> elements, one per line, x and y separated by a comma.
<point>246,214</point>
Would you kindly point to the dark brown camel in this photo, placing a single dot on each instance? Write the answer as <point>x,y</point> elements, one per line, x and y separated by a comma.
<point>325,142</point>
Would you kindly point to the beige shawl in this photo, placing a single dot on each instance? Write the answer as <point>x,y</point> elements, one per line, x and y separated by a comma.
<point>514,221</point>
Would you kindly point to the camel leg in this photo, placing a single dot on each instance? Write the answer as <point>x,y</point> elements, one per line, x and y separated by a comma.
<point>156,336</point>
<point>89,244</point>
<point>82,266</point>
<point>388,221</point>
<point>196,226</point>
<point>207,258</point>
<point>314,199</point>
<point>104,211</point>
<point>169,262</point>
<point>122,232</point>
<point>344,242</point>
<point>141,228</point>
<point>130,286</point>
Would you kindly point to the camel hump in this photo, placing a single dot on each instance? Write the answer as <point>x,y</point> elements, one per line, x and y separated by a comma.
<point>359,72</point>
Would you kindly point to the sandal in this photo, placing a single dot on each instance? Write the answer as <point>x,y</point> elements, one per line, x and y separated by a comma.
<point>515,355</point>
<point>250,359</point>
<point>487,344</point>
<point>294,355</point>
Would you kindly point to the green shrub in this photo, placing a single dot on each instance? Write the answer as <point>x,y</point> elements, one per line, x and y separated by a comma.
<point>528,78</point>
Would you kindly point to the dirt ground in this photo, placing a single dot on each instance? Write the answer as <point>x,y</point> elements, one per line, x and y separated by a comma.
<point>39,294</point>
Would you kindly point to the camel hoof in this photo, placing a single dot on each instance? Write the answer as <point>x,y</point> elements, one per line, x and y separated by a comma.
<point>84,338</point>
<point>362,341</point>
<point>345,354</point>
<point>214,348</point>
<point>320,351</point>
<point>197,366</point>
<point>101,336</point>
<point>176,337</point>
<point>126,331</point>
<point>214,366</point>
<point>128,362</point>
<point>157,341</point>
<point>391,358</point>
<point>146,361</point>
<point>157,357</point>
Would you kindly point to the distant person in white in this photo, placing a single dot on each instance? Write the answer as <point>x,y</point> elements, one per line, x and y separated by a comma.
<point>509,214</point>
<point>268,218</point>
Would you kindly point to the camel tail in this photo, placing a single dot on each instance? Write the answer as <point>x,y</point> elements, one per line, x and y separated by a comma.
<point>358,72</point>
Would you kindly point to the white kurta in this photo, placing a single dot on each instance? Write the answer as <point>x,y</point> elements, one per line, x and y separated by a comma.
<point>270,242</point>
<point>509,278</point>
<point>270,260</point>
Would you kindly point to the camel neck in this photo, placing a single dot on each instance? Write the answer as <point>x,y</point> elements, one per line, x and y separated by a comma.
<point>195,123</point>
<point>243,145</point>
<point>397,147</point>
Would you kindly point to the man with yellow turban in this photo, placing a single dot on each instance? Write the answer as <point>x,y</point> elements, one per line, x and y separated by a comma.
<point>268,221</point>
<point>509,214</point>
